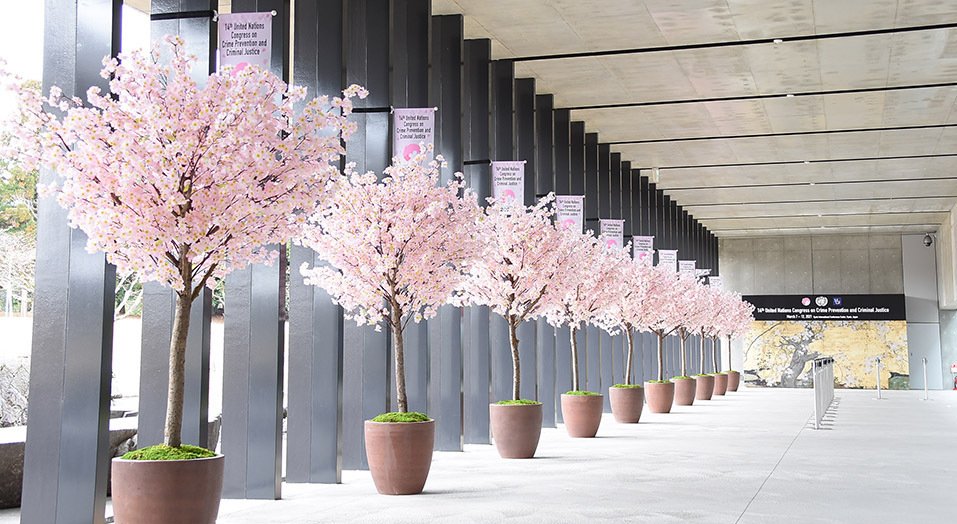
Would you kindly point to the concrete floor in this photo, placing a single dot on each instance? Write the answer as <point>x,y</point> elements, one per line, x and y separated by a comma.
<point>750,457</point>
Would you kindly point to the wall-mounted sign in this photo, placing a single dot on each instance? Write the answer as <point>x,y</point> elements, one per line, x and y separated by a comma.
<point>411,128</point>
<point>570,212</point>
<point>245,39</point>
<point>668,258</point>
<point>686,267</point>
<point>716,282</point>
<point>827,307</point>
<point>508,181</point>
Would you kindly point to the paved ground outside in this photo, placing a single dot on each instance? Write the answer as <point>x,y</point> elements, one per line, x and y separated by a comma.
<point>750,457</point>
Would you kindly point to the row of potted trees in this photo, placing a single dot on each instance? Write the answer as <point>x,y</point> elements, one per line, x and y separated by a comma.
<point>185,183</point>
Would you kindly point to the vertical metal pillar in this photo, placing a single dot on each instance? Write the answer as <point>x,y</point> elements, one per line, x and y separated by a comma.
<point>606,354</point>
<point>475,110</point>
<point>411,21</point>
<point>525,150</point>
<point>158,310</point>
<point>592,211</point>
<point>503,148</point>
<point>563,361</point>
<point>445,330</point>
<point>67,447</point>
<point>577,184</point>
<point>544,184</point>
<point>618,342</point>
<point>365,366</point>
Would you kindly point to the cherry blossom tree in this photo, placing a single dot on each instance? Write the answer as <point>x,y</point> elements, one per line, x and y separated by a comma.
<point>184,183</point>
<point>664,309</point>
<point>397,248</point>
<point>628,307</point>
<point>593,282</point>
<point>691,313</point>
<point>520,273</point>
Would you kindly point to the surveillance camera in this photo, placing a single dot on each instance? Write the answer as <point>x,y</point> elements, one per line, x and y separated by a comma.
<point>928,240</point>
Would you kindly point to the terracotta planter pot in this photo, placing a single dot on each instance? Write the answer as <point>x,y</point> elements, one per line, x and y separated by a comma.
<point>167,491</point>
<point>660,396</point>
<point>734,379</point>
<point>720,384</point>
<point>704,387</point>
<point>400,455</point>
<point>516,429</point>
<point>582,414</point>
<point>626,404</point>
<point>684,391</point>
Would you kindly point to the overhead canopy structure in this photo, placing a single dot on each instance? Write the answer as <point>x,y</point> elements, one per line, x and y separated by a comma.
<point>763,117</point>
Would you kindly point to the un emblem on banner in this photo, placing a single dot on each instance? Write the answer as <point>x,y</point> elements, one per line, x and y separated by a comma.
<point>820,301</point>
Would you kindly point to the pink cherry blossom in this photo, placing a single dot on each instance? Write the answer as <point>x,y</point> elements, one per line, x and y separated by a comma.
<point>396,248</point>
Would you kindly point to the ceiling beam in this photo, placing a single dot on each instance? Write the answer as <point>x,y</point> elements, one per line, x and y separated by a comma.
<point>777,135</point>
<point>803,184</point>
<point>735,43</point>
<point>820,201</point>
<point>822,215</point>
<point>818,228</point>
<point>797,162</point>
<point>769,96</point>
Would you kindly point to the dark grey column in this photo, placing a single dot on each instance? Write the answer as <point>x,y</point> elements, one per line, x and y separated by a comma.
<point>503,148</point>
<point>618,342</point>
<point>475,110</point>
<point>445,330</point>
<point>158,310</point>
<point>525,150</point>
<point>314,416</point>
<point>365,368</point>
<point>544,184</point>
<point>593,203</point>
<point>67,446</point>
<point>563,361</point>
<point>577,183</point>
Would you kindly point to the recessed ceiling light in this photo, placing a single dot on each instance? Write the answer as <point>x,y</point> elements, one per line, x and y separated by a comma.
<point>819,215</point>
<point>778,41</point>
<point>790,95</point>
<point>811,184</point>
<point>807,161</point>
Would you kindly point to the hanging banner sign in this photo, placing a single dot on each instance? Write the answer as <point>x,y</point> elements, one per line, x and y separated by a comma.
<point>703,272</point>
<point>716,282</point>
<point>410,128</point>
<point>570,212</point>
<point>668,258</point>
<point>508,181</point>
<point>644,249</point>
<point>245,39</point>
<point>827,307</point>
<point>686,267</point>
<point>612,233</point>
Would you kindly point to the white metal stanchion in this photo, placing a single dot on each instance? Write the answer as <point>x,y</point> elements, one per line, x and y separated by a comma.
<point>878,371</point>
<point>822,373</point>
<point>924,359</point>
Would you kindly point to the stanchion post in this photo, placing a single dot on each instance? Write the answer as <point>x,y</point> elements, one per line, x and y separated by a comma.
<point>924,359</point>
<point>878,371</point>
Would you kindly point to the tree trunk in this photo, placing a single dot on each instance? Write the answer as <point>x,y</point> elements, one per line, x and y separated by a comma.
<point>574,331</point>
<point>399,347</point>
<point>701,367</point>
<point>173,434</point>
<point>516,365</point>
<point>631,353</point>
<point>661,357</point>
<point>684,364</point>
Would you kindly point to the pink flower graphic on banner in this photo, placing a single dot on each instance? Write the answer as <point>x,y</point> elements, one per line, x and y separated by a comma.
<point>806,301</point>
<point>568,223</point>
<point>410,151</point>
<point>239,67</point>
<point>610,243</point>
<point>508,194</point>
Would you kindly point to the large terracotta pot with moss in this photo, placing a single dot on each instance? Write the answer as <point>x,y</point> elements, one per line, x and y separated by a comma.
<point>660,395</point>
<point>581,411</point>
<point>684,391</point>
<point>167,491</point>
<point>516,427</point>
<point>734,379</point>
<point>720,383</point>
<point>400,452</point>
<point>626,402</point>
<point>704,386</point>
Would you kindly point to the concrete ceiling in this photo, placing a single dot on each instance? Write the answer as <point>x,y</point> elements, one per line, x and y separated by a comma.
<point>807,173</point>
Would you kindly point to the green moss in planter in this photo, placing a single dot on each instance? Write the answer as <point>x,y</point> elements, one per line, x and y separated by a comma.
<point>519,402</point>
<point>702,374</point>
<point>164,452</point>
<point>580,393</point>
<point>401,417</point>
<point>659,382</point>
<point>627,386</point>
<point>682,378</point>
<point>732,371</point>
<point>721,373</point>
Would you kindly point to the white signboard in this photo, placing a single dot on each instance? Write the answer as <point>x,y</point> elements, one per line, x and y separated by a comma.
<point>508,181</point>
<point>703,272</point>
<point>686,267</point>
<point>644,249</point>
<point>411,128</point>
<point>570,212</point>
<point>612,233</point>
<point>715,282</point>
<point>668,258</point>
<point>245,39</point>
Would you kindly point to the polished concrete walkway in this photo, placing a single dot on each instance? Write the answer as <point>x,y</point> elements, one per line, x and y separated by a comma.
<point>750,457</point>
